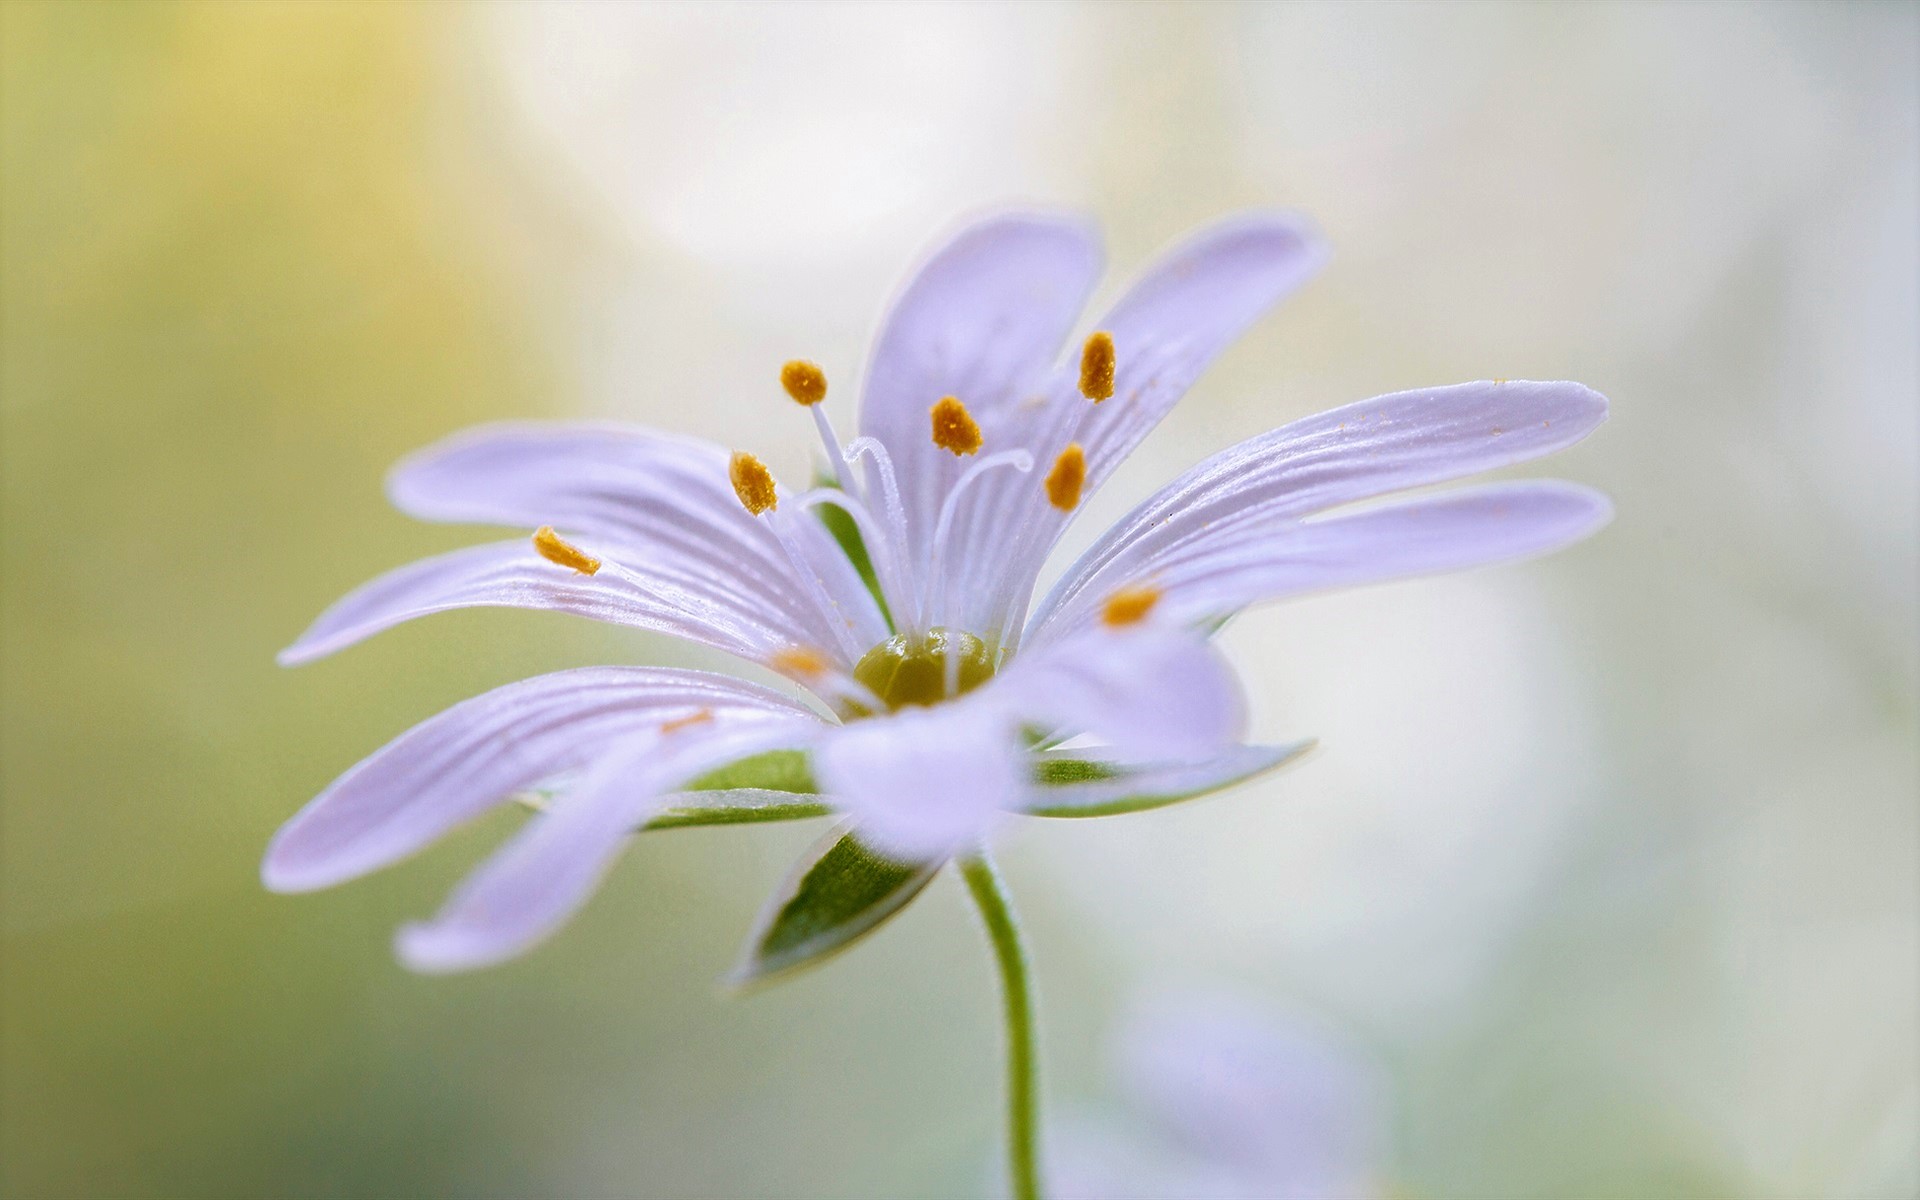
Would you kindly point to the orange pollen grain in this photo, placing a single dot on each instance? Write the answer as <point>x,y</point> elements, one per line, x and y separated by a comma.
<point>954,428</point>
<point>699,716</point>
<point>560,552</point>
<point>1096,367</point>
<point>1068,476</point>
<point>1130,604</point>
<point>752,482</point>
<point>798,660</point>
<point>804,381</point>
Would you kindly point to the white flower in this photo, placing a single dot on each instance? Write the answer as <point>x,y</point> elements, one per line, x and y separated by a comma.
<point>941,687</point>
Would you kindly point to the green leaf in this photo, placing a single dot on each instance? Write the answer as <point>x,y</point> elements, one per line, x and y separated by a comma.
<point>1084,787</point>
<point>837,894</point>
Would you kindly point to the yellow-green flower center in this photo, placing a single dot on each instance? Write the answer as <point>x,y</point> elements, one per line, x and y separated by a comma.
<point>907,670</point>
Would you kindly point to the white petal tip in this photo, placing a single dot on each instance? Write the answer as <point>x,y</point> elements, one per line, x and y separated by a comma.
<point>277,875</point>
<point>429,949</point>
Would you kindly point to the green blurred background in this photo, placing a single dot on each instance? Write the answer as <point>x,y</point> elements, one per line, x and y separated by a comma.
<point>1612,861</point>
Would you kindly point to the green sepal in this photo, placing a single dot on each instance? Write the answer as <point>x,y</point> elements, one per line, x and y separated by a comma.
<point>769,771</point>
<point>775,785</point>
<point>1065,772</point>
<point>837,894</point>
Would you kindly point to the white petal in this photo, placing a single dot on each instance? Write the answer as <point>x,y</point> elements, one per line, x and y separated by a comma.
<point>656,501</point>
<point>1372,448</point>
<point>1149,690</point>
<point>531,886</point>
<point>1192,303</point>
<point>512,575</point>
<point>925,783</point>
<point>455,766</point>
<point>982,319</point>
<point>1468,527</point>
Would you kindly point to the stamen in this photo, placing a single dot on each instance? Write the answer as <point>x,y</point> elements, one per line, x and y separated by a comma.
<point>1068,476</point>
<point>752,482</point>
<point>1096,367</point>
<point>848,695</point>
<point>804,381</point>
<point>557,550</point>
<point>801,661</point>
<point>699,716</point>
<point>1130,604</point>
<point>954,428</point>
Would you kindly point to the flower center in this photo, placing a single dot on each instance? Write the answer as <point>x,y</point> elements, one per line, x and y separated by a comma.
<point>925,670</point>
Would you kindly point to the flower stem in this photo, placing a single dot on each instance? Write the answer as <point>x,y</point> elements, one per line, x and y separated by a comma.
<point>1016,990</point>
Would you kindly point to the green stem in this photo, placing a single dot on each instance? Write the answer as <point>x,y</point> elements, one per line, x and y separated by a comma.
<point>1016,990</point>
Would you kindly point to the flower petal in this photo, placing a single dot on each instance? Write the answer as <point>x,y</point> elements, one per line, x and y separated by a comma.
<point>1152,691</point>
<point>645,497</point>
<point>924,784</point>
<point>455,766</point>
<point>512,575</point>
<point>1374,447</point>
<point>1167,329</point>
<point>531,886</point>
<point>1189,306</point>
<point>1467,527</point>
<point>982,320</point>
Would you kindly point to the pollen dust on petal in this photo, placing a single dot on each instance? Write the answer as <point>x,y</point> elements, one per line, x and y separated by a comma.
<point>804,381</point>
<point>1130,604</point>
<point>752,482</point>
<point>802,661</point>
<point>1068,477</point>
<point>1096,367</point>
<point>559,551</point>
<point>699,716</point>
<point>954,428</point>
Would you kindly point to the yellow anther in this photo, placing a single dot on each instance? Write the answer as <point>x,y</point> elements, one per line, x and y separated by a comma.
<point>752,482</point>
<point>699,716</point>
<point>954,428</point>
<point>1068,476</point>
<point>1130,604</point>
<point>559,551</point>
<point>799,661</point>
<point>1096,367</point>
<point>804,381</point>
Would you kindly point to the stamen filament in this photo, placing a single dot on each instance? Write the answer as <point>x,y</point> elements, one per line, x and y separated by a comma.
<point>886,565</point>
<point>1020,460</point>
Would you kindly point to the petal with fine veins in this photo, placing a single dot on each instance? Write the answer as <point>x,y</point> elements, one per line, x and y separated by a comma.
<point>1220,573</point>
<point>982,319</point>
<point>532,885</point>
<point>1190,305</point>
<point>1372,448</point>
<point>513,575</point>
<point>455,766</point>
<point>646,497</point>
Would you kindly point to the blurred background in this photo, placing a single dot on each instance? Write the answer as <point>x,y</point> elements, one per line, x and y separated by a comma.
<point>1608,868</point>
